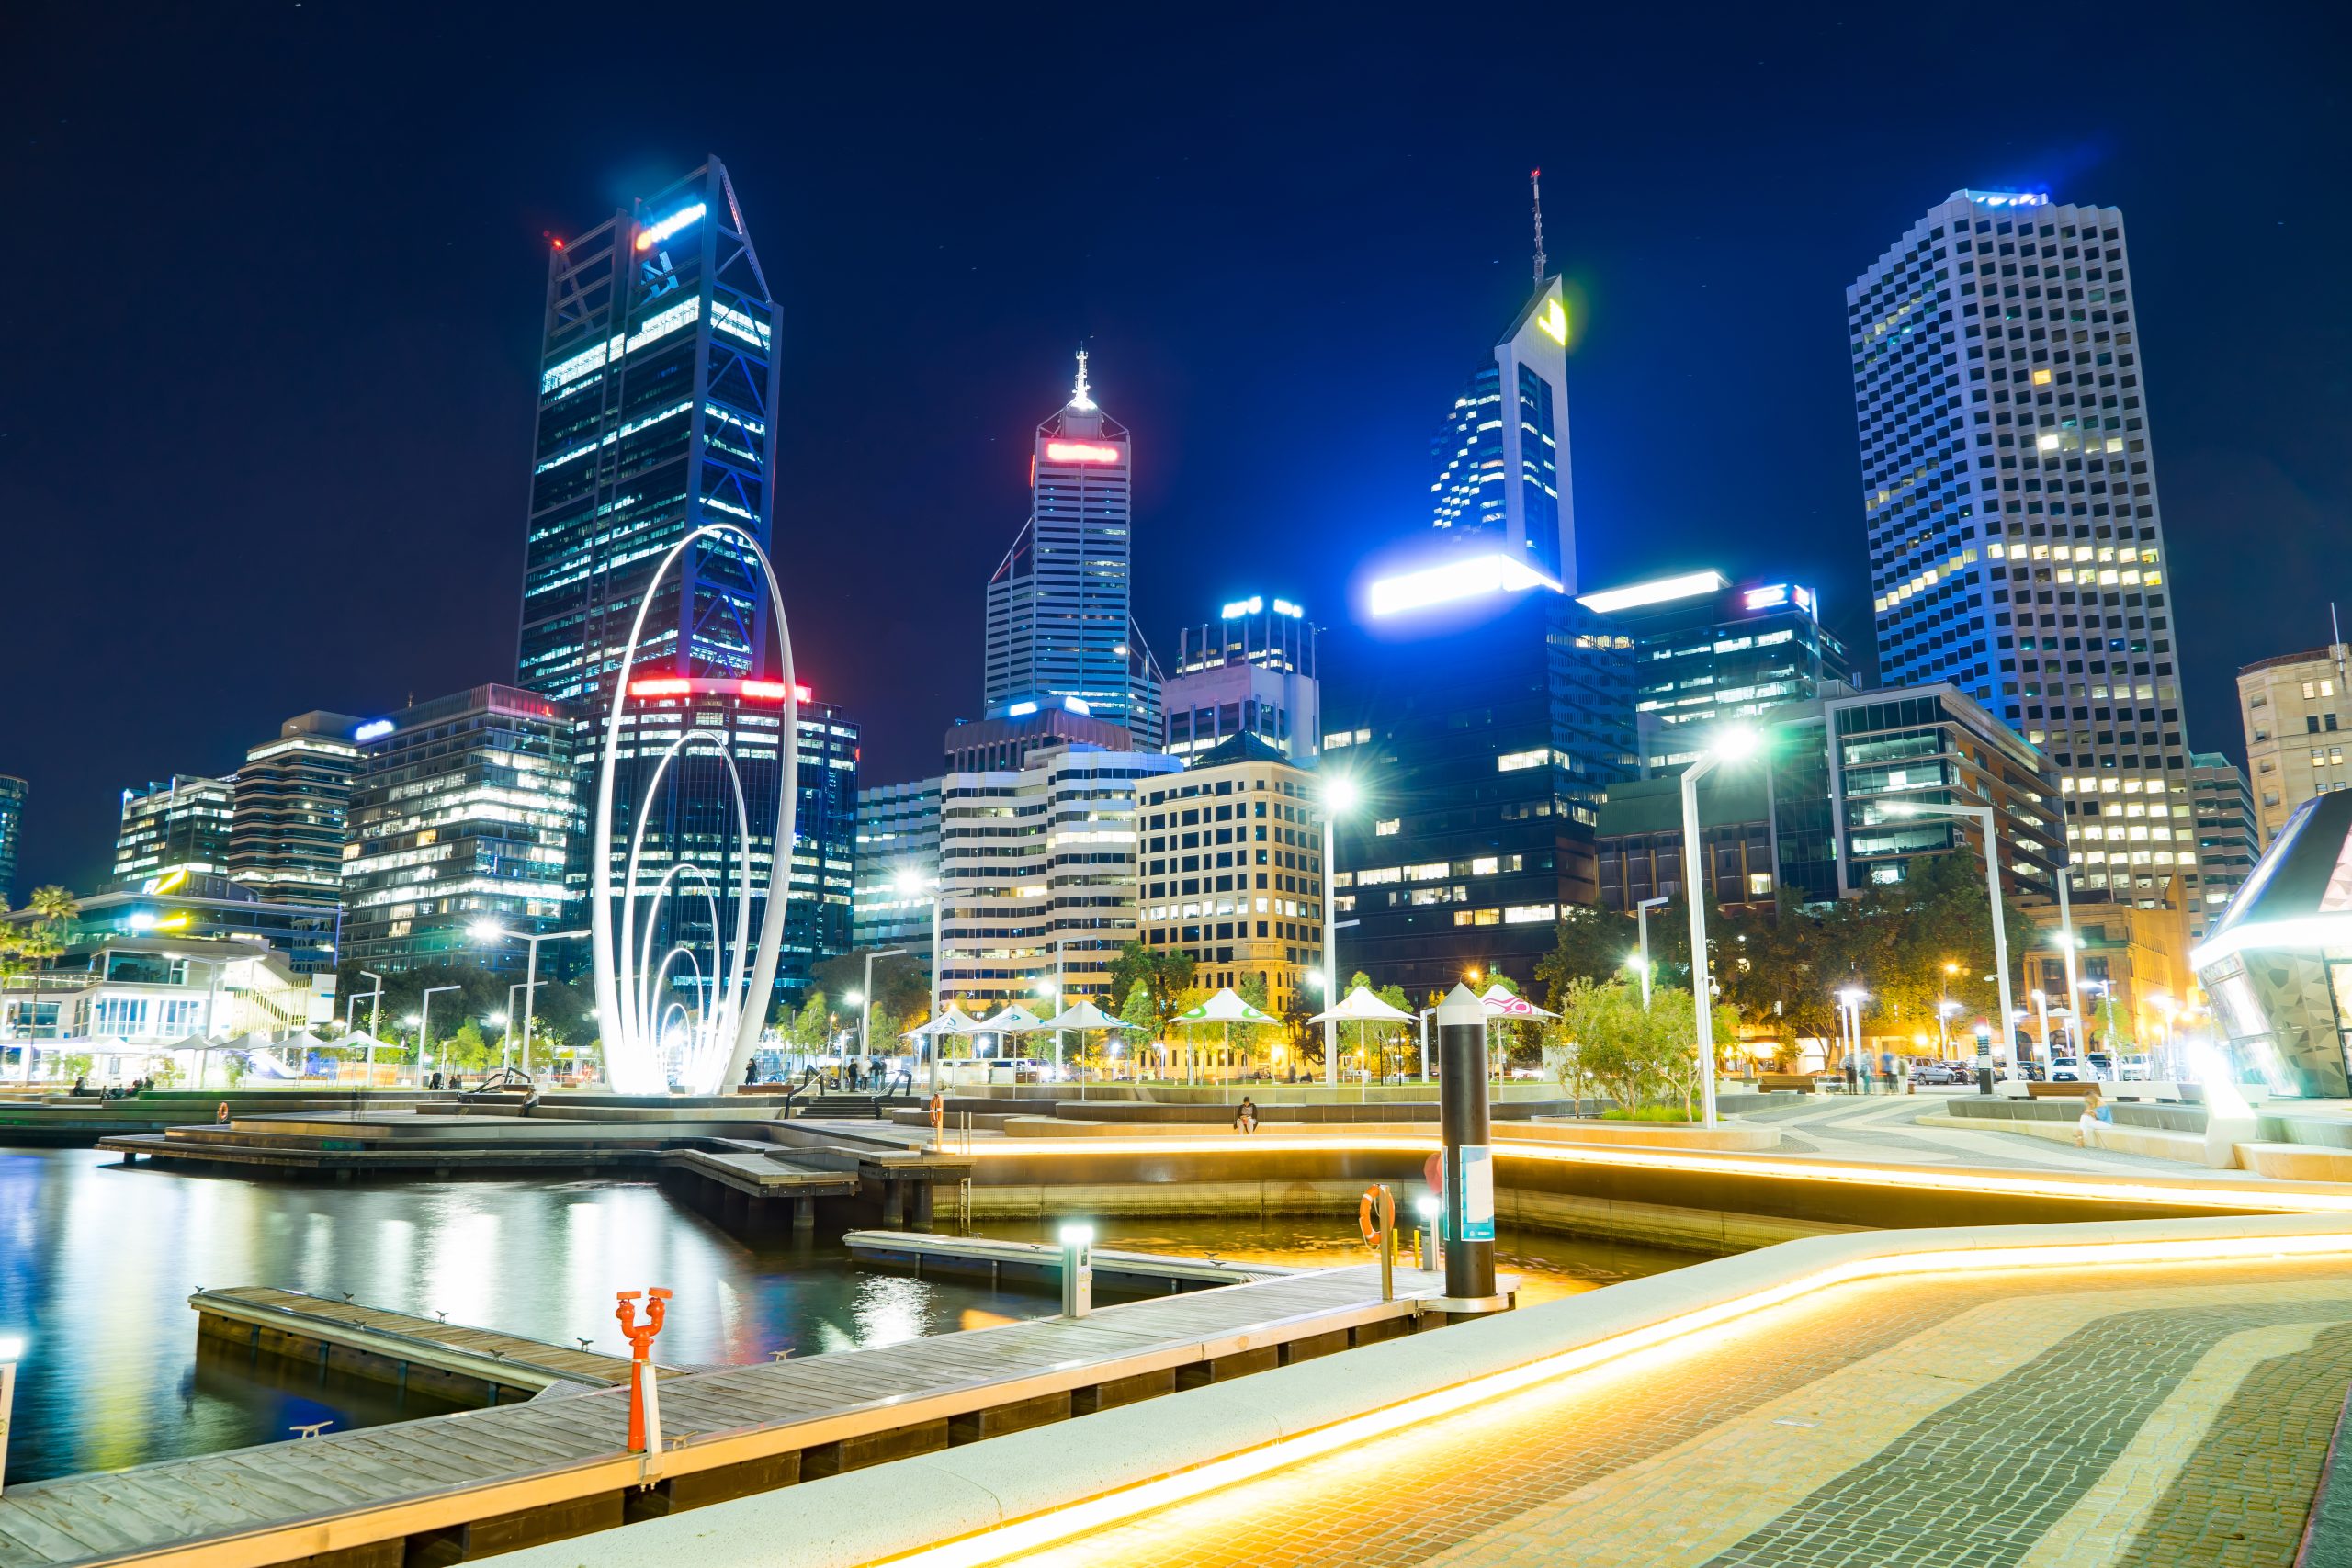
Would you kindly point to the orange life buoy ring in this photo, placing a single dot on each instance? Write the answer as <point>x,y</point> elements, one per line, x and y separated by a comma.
<point>221,1116</point>
<point>1367,1220</point>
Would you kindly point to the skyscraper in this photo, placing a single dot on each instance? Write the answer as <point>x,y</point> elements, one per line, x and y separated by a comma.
<point>1059,617</point>
<point>465,809</point>
<point>1502,454</point>
<point>2228,838</point>
<point>657,388</point>
<point>179,826</point>
<point>291,815</point>
<point>12,791</point>
<point>2016,546</point>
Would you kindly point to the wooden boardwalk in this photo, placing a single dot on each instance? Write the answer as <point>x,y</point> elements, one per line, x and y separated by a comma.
<point>927,1252</point>
<point>295,1322</point>
<point>445,1488</point>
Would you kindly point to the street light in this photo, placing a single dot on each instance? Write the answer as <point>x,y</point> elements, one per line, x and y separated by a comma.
<point>1732,745</point>
<point>1338,796</point>
<point>424,1024</point>
<point>491,930</point>
<point>1850,1007</point>
<point>2007,1030</point>
<point>1642,917</point>
<point>864,1001</point>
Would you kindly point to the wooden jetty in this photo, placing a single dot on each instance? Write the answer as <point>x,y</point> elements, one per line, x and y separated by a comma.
<point>748,1160</point>
<point>454,1360</point>
<point>1035,1262</point>
<point>444,1489</point>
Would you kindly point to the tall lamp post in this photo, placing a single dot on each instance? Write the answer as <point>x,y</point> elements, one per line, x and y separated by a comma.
<point>1849,1012</point>
<point>1732,745</point>
<point>424,1025</point>
<point>1641,918</point>
<point>1338,796</point>
<point>865,1001</point>
<point>491,930</point>
<point>2006,1030</point>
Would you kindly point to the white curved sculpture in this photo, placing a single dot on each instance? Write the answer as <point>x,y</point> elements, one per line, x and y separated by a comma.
<point>631,1003</point>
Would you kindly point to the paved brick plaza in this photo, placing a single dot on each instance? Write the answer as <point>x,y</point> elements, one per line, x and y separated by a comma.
<point>2128,1417</point>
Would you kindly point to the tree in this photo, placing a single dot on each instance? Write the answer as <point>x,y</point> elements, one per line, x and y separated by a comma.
<point>900,987</point>
<point>466,1050</point>
<point>1638,1054</point>
<point>1167,976</point>
<point>810,1029</point>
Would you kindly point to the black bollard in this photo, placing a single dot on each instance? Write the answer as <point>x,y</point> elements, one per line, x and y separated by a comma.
<point>1469,1216</point>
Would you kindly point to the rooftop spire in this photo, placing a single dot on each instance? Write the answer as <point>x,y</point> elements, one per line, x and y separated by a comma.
<point>1535,183</point>
<point>1079,400</point>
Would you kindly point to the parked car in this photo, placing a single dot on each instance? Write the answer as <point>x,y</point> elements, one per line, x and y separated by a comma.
<point>2134,1069</point>
<point>2070,1069</point>
<point>2102,1063</point>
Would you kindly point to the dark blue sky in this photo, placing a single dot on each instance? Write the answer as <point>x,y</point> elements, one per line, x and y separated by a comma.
<point>267,386</point>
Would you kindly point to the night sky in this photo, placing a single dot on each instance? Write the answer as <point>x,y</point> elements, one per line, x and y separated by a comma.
<point>267,381</point>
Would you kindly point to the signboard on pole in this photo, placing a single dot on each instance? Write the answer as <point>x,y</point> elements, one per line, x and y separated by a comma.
<point>1475,1199</point>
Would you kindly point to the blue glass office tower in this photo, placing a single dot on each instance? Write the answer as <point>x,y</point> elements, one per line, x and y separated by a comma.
<point>656,387</point>
<point>1502,461</point>
<point>2016,545</point>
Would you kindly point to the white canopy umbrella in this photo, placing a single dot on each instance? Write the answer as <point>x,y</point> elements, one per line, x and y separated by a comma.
<point>1082,1016</point>
<point>954,1021</point>
<point>1227,1008</point>
<point>1360,1008</point>
<point>1015,1019</point>
<point>1501,1003</point>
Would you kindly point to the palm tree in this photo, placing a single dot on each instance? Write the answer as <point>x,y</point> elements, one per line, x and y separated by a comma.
<point>41,941</point>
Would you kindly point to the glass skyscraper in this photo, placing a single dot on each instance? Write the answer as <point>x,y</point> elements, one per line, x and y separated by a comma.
<point>1059,618</point>
<point>657,388</point>
<point>12,791</point>
<point>2016,545</point>
<point>1502,461</point>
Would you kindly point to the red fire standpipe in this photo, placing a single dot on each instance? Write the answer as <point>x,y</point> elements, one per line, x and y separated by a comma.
<point>644,1406</point>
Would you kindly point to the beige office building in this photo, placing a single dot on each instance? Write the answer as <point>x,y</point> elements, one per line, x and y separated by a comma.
<point>2297,714</point>
<point>1233,869</point>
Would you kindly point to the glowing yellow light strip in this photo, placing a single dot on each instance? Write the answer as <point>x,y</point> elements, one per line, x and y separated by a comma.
<point>1681,1333</point>
<point>2201,1195</point>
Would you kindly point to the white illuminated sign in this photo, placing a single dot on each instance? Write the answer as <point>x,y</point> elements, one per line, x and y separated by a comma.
<point>373,731</point>
<point>1456,580</point>
<point>650,237</point>
<point>1765,597</point>
<point>1656,593</point>
<point>1021,710</point>
<point>1248,606</point>
<point>1285,607</point>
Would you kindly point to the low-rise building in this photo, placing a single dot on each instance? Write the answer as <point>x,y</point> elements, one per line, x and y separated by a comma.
<point>159,992</point>
<point>1014,728</point>
<point>2131,968</point>
<point>1232,868</point>
<point>2297,714</point>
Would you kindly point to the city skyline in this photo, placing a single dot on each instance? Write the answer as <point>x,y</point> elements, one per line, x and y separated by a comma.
<point>1628,281</point>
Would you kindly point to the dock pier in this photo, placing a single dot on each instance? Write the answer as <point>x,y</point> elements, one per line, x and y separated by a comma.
<point>445,1489</point>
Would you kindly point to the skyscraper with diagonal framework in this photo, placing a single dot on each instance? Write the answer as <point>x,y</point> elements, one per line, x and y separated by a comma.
<point>656,387</point>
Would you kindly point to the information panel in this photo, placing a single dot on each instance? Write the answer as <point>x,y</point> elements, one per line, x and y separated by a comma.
<point>1477,1194</point>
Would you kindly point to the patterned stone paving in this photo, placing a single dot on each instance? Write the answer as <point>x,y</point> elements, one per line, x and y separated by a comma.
<point>2176,1417</point>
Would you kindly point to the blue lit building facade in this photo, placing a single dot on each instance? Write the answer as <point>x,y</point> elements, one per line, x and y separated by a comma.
<point>2016,540</point>
<point>1481,731</point>
<point>12,791</point>
<point>656,389</point>
<point>1502,476</point>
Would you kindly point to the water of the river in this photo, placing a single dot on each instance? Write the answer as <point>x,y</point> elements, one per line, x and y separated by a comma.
<point>96,1261</point>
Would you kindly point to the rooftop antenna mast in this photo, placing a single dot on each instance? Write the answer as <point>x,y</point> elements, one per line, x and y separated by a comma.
<point>1535,183</point>
<point>2335,644</point>
<point>1079,399</point>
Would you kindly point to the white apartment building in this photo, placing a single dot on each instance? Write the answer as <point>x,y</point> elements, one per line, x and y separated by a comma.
<point>1038,869</point>
<point>2297,714</point>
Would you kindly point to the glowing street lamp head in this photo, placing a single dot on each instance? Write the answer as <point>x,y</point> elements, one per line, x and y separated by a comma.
<point>854,998</point>
<point>1737,743</point>
<point>1339,794</point>
<point>909,883</point>
<point>485,930</point>
<point>1852,996</point>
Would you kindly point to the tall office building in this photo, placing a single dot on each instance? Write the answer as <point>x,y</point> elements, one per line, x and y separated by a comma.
<point>706,738</point>
<point>1038,871</point>
<point>1480,715</point>
<point>465,809</point>
<point>2016,545</point>
<point>657,392</point>
<point>12,791</point>
<point>291,812</point>
<point>1703,652</point>
<point>1060,607</point>
<point>1502,453</point>
<point>2228,837</point>
<point>178,826</point>
<point>897,867</point>
<point>1250,671</point>
<point>2297,713</point>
